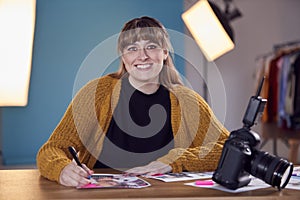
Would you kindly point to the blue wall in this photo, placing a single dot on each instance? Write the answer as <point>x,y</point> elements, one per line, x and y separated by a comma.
<point>66,32</point>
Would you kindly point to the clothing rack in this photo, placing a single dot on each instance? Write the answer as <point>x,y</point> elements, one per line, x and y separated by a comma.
<point>277,47</point>
<point>277,128</point>
<point>286,44</point>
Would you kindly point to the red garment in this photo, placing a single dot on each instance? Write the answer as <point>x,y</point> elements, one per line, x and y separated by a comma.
<point>272,108</point>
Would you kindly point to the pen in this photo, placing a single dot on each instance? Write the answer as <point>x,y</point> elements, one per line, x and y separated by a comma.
<point>74,154</point>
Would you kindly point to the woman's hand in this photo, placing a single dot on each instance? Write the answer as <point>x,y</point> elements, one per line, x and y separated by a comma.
<point>73,175</point>
<point>152,168</point>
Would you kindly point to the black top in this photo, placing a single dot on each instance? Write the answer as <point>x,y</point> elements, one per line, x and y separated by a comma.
<point>140,130</point>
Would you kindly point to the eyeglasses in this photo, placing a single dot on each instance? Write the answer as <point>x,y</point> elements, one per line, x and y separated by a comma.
<point>136,50</point>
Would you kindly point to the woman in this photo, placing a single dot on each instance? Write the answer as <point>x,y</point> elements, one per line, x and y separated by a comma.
<point>140,118</point>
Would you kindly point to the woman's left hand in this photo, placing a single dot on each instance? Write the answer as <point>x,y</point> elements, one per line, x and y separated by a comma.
<point>152,168</point>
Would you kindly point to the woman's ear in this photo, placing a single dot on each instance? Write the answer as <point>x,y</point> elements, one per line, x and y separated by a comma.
<point>166,54</point>
<point>123,62</point>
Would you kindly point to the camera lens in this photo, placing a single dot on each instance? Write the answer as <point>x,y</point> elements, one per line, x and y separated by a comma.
<point>283,175</point>
<point>273,170</point>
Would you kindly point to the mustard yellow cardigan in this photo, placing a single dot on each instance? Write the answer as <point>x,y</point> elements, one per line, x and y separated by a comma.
<point>198,135</point>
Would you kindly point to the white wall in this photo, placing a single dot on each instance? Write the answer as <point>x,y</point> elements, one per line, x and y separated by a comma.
<point>264,23</point>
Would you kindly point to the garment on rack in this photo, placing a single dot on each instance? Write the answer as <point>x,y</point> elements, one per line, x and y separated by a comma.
<point>296,115</point>
<point>287,89</point>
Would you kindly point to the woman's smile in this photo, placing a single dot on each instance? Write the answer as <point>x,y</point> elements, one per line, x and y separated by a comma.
<point>143,66</point>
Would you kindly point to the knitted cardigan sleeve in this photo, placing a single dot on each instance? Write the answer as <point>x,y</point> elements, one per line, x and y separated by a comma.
<point>74,129</point>
<point>199,136</point>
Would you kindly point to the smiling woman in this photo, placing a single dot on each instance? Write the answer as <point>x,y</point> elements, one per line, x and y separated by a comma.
<point>140,119</point>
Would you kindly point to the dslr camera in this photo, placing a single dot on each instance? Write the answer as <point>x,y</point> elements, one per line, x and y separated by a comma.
<point>241,158</point>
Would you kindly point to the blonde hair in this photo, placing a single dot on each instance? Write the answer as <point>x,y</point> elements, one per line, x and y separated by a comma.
<point>147,28</point>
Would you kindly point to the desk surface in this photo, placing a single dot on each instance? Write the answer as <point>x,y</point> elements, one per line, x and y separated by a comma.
<point>28,184</point>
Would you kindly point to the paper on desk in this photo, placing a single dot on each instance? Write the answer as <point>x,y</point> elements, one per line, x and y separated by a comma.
<point>294,182</point>
<point>183,176</point>
<point>254,184</point>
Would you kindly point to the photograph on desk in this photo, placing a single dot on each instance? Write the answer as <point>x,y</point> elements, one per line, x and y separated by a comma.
<point>183,176</point>
<point>115,181</point>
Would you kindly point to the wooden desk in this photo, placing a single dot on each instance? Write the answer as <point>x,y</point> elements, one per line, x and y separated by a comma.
<point>28,184</point>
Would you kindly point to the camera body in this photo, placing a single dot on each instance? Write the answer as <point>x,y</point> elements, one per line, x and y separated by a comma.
<point>233,170</point>
<point>241,158</point>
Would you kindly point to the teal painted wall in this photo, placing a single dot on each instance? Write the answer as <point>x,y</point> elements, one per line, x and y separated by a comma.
<point>66,32</point>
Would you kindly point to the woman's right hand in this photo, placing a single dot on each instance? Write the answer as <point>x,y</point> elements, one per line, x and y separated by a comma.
<point>73,175</point>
